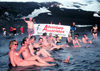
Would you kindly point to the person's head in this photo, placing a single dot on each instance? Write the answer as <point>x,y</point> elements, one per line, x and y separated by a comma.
<point>32,38</point>
<point>73,23</point>
<point>25,41</point>
<point>13,44</point>
<point>30,18</point>
<point>50,34</point>
<point>44,34</point>
<point>56,36</point>
<point>75,37</point>
<point>59,23</point>
<point>95,25</point>
<point>40,40</point>
<point>69,35</point>
<point>84,35</point>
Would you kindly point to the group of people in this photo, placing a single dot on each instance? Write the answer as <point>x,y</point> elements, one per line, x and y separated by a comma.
<point>75,42</point>
<point>12,31</point>
<point>38,53</point>
<point>34,53</point>
<point>85,40</point>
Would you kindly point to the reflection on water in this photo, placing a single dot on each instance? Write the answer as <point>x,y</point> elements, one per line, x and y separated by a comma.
<point>27,68</point>
<point>81,59</point>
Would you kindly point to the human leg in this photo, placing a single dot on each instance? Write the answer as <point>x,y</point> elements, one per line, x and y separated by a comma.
<point>29,63</point>
<point>36,58</point>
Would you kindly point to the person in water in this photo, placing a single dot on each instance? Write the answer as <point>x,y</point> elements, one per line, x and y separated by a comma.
<point>69,40</point>
<point>94,32</point>
<point>16,60</point>
<point>85,39</point>
<point>76,42</point>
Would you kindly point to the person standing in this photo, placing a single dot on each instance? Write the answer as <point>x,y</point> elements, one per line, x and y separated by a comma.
<point>21,29</point>
<point>30,26</point>
<point>4,31</point>
<point>72,30</point>
<point>94,32</point>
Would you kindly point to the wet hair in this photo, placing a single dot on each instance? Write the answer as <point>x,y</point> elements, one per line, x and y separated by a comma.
<point>84,34</point>
<point>56,36</point>
<point>23,41</point>
<point>40,38</point>
<point>77,34</point>
<point>33,37</point>
<point>11,43</point>
<point>69,35</point>
<point>74,37</point>
<point>44,34</point>
<point>95,25</point>
<point>30,18</point>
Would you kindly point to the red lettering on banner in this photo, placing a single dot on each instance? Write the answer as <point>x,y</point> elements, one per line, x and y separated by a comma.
<point>57,29</point>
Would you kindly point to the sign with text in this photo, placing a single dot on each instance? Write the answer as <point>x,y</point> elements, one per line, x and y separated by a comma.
<point>59,30</point>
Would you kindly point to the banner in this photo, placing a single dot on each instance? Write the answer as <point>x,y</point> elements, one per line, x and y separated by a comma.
<point>59,30</point>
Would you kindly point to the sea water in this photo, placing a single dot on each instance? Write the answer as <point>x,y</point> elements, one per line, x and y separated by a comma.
<point>81,59</point>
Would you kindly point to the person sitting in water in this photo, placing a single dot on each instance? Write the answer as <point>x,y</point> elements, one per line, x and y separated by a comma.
<point>57,39</point>
<point>16,60</point>
<point>51,39</point>
<point>42,51</point>
<point>69,40</point>
<point>77,35</point>
<point>85,39</point>
<point>45,40</point>
<point>76,42</point>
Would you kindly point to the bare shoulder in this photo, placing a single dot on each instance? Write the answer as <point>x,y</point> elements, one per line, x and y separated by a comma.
<point>10,53</point>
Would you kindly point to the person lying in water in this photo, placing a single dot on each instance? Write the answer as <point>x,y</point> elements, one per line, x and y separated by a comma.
<point>16,60</point>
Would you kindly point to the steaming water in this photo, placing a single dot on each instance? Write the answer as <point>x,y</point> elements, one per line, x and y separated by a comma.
<point>81,59</point>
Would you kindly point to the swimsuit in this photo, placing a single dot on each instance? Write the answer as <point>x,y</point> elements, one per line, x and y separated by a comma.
<point>94,32</point>
<point>30,31</point>
<point>36,50</point>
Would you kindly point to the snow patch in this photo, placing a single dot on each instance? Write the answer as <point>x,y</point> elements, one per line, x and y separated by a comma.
<point>36,12</point>
<point>96,15</point>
